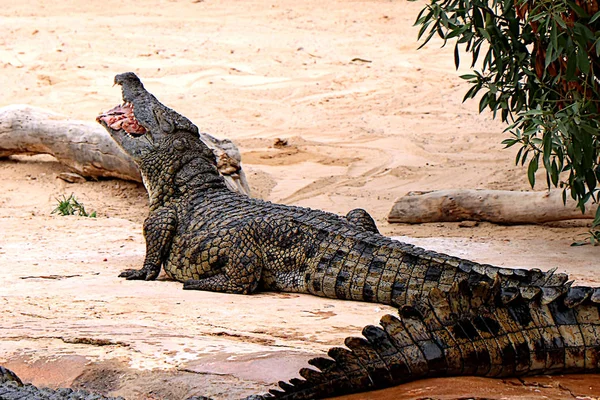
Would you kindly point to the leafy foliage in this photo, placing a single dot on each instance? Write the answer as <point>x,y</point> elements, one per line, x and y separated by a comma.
<point>537,66</point>
<point>70,206</point>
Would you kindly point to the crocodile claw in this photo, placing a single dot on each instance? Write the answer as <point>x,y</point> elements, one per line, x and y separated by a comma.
<point>137,275</point>
<point>191,285</point>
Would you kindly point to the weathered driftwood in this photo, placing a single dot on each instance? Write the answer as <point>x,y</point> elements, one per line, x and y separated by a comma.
<point>499,206</point>
<point>86,148</point>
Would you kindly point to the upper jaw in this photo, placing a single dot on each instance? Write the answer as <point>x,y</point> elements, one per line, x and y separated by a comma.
<point>127,130</point>
<point>126,117</point>
<point>122,117</point>
<point>141,114</point>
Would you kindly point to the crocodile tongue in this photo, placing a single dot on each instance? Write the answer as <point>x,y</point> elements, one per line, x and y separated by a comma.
<point>122,117</point>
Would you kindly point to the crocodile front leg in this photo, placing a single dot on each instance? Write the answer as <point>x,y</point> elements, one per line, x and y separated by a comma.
<point>159,229</point>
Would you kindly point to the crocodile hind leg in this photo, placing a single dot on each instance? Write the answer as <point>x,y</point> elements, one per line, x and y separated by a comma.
<point>159,229</point>
<point>362,219</point>
<point>226,261</point>
<point>241,275</point>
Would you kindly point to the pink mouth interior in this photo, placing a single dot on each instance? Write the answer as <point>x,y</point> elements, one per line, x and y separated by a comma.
<point>122,117</point>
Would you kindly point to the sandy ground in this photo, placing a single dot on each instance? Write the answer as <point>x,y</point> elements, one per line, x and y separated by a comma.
<point>367,118</point>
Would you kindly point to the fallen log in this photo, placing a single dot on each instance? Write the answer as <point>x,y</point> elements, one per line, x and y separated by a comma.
<point>499,206</point>
<point>87,149</point>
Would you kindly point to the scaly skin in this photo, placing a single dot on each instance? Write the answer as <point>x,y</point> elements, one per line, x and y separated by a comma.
<point>210,238</point>
<point>480,329</point>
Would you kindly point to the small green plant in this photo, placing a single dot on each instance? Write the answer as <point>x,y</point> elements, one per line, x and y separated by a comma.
<point>70,206</point>
<point>593,235</point>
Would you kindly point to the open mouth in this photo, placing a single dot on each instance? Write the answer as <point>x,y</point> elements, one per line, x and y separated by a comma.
<point>121,117</point>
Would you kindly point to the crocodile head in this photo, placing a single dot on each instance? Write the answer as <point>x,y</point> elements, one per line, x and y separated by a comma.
<point>163,143</point>
<point>141,121</point>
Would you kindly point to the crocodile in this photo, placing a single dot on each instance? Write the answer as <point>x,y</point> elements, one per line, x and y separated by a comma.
<point>471,329</point>
<point>211,238</point>
<point>455,317</point>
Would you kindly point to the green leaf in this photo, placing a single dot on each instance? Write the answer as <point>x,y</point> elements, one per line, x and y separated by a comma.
<point>518,157</point>
<point>472,92</point>
<point>580,11</point>
<point>427,39</point>
<point>583,61</point>
<point>554,173</point>
<point>524,157</point>
<point>466,37</point>
<point>532,169</point>
<point>422,30</point>
<point>483,32</point>
<point>444,19</point>
<point>509,142</point>
<point>590,180</point>
<point>457,57</point>
<point>483,103</point>
<point>585,32</point>
<point>594,18</point>
<point>420,19</point>
<point>547,149</point>
<point>554,35</point>
<point>549,57</point>
<point>475,51</point>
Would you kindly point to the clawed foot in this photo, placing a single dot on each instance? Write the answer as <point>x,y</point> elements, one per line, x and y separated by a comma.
<point>214,285</point>
<point>191,285</point>
<point>138,275</point>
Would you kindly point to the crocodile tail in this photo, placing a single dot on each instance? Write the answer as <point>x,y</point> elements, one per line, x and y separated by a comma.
<point>358,264</point>
<point>378,269</point>
<point>480,329</point>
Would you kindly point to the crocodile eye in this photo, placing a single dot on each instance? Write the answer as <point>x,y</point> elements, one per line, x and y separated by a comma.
<point>180,144</point>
